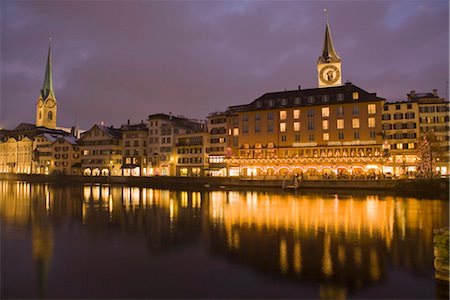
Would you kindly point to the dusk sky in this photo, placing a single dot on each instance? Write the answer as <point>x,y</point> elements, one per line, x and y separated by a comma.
<point>119,60</point>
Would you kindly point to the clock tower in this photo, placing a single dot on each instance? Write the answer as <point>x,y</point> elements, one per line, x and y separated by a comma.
<point>46,106</point>
<point>329,63</point>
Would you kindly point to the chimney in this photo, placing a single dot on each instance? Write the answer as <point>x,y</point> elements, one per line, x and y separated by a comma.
<point>413,94</point>
<point>128,122</point>
<point>299,87</point>
<point>435,93</point>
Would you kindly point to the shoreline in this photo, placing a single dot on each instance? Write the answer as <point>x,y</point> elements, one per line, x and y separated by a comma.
<point>438,185</point>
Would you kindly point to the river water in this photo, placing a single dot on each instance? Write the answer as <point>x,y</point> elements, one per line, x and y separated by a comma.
<point>96,241</point>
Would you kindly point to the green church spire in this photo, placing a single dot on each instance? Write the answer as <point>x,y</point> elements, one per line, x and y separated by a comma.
<point>47,87</point>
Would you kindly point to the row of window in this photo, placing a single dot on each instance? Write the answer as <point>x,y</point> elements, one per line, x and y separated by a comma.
<point>398,106</point>
<point>432,109</point>
<point>135,143</point>
<point>101,152</point>
<point>389,126</point>
<point>310,99</point>
<point>399,136</point>
<point>326,136</point>
<point>398,116</point>
<point>435,119</point>
<point>191,160</point>
<point>190,150</point>
<point>345,152</point>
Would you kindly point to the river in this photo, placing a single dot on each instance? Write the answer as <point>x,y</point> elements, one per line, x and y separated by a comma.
<point>101,241</point>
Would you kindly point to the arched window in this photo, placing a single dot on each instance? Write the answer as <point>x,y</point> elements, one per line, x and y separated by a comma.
<point>50,115</point>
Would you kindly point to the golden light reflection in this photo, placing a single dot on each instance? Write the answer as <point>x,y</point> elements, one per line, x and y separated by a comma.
<point>283,257</point>
<point>297,258</point>
<point>327,263</point>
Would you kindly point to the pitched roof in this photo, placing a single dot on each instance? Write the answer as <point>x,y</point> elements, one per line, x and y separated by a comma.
<point>47,87</point>
<point>329,55</point>
<point>308,97</point>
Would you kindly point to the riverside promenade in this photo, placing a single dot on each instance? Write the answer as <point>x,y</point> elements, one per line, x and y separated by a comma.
<point>440,185</point>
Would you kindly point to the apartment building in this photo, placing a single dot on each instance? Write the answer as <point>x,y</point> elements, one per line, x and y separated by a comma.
<point>101,151</point>
<point>56,154</point>
<point>162,130</point>
<point>219,143</point>
<point>192,154</point>
<point>134,150</point>
<point>401,133</point>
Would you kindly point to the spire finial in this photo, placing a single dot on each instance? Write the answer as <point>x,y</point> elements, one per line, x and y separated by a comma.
<point>325,11</point>
<point>47,87</point>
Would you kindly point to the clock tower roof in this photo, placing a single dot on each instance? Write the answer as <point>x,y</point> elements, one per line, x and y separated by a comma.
<point>47,87</point>
<point>329,55</point>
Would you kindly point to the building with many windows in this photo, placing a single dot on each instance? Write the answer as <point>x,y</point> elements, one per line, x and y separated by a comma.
<point>330,131</point>
<point>134,141</point>
<point>219,143</point>
<point>162,130</point>
<point>101,151</point>
<point>192,154</point>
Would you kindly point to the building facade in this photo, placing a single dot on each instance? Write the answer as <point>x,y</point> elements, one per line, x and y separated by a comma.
<point>331,131</point>
<point>192,154</point>
<point>101,151</point>
<point>134,150</point>
<point>219,147</point>
<point>162,130</point>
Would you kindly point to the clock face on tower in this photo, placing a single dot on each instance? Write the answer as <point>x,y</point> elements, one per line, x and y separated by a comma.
<point>329,74</point>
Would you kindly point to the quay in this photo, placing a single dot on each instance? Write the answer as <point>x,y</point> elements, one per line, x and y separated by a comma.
<point>439,185</point>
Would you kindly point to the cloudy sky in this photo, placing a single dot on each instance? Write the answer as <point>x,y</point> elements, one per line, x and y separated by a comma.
<point>119,60</point>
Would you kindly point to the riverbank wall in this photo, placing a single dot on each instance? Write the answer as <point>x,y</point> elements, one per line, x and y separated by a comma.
<point>441,259</point>
<point>421,185</point>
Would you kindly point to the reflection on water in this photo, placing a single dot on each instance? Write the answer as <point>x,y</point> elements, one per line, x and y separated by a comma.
<point>340,243</point>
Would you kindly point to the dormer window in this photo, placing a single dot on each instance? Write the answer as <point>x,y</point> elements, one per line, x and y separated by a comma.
<point>340,97</point>
<point>311,99</point>
<point>355,95</point>
<point>297,101</point>
<point>284,101</point>
<point>325,98</point>
<point>258,103</point>
<point>271,102</point>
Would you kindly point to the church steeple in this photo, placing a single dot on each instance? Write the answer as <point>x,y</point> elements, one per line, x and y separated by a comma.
<point>329,55</point>
<point>47,87</point>
<point>329,63</point>
<point>46,106</point>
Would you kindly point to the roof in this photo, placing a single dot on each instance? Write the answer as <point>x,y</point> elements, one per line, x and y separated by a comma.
<point>301,98</point>
<point>329,55</point>
<point>134,127</point>
<point>178,121</point>
<point>47,87</point>
<point>30,131</point>
<point>111,131</point>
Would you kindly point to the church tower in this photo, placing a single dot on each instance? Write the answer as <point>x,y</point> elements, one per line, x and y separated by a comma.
<point>46,106</point>
<point>329,63</point>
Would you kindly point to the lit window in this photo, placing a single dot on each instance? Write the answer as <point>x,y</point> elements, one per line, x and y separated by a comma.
<point>283,114</point>
<point>355,95</point>
<point>296,126</point>
<point>325,124</point>
<point>326,136</point>
<point>325,111</point>
<point>372,109</point>
<point>399,146</point>
<point>371,122</point>
<point>355,123</point>
<point>235,131</point>
<point>282,127</point>
<point>296,113</point>
<point>340,124</point>
<point>411,146</point>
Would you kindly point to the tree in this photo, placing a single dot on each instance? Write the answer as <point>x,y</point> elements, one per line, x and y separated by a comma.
<point>428,151</point>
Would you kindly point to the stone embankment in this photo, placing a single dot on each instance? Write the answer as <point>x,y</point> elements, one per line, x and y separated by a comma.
<point>173,182</point>
<point>441,257</point>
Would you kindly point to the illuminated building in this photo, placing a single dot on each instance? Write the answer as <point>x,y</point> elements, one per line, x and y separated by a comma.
<point>333,130</point>
<point>55,154</point>
<point>406,122</point>
<point>219,143</point>
<point>134,150</point>
<point>101,151</point>
<point>191,154</point>
<point>162,130</point>
<point>18,147</point>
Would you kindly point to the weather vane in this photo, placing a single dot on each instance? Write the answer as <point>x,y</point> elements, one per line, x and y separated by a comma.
<point>326,13</point>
